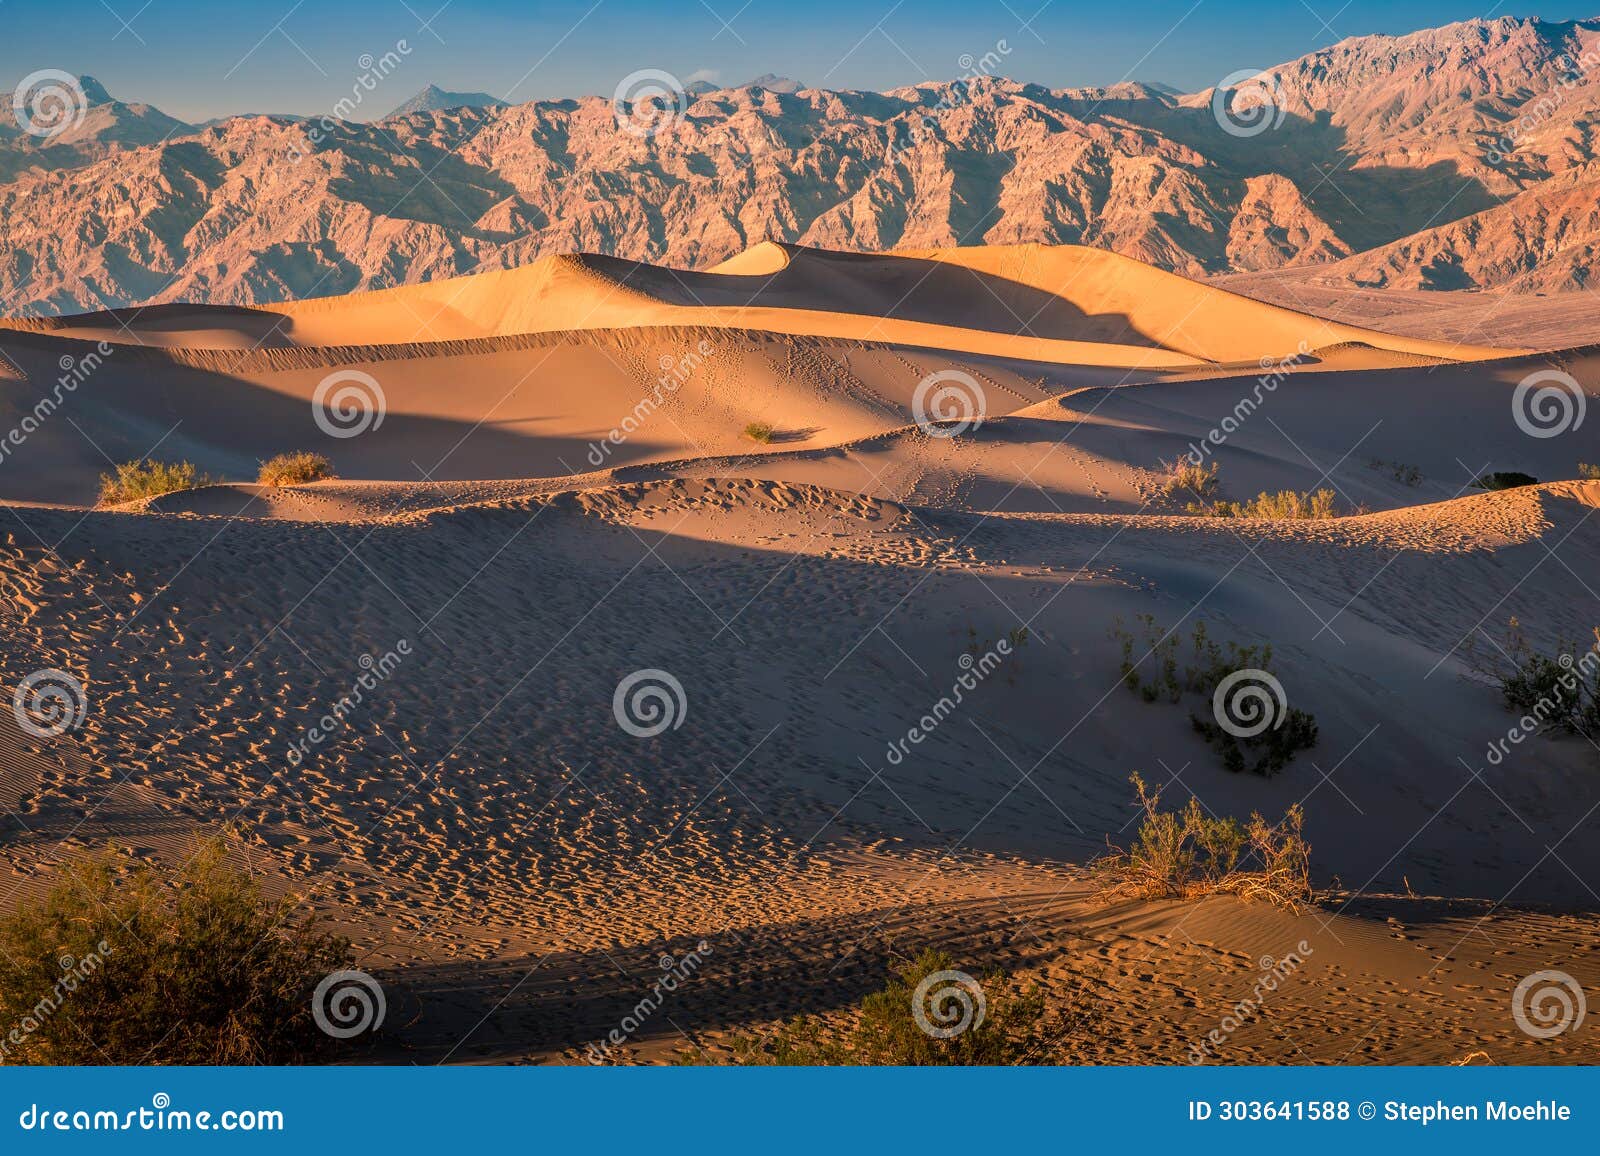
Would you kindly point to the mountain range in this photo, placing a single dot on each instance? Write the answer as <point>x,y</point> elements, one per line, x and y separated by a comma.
<point>1460,157</point>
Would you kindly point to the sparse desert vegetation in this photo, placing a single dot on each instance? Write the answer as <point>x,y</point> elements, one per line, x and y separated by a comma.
<point>1249,725</point>
<point>1283,505</point>
<point>1406,475</point>
<point>294,469</point>
<point>989,1020</point>
<point>123,962</point>
<point>1505,480</point>
<point>1189,854</point>
<point>1589,471</point>
<point>1557,693</point>
<point>1186,479</point>
<point>148,479</point>
<point>760,431</point>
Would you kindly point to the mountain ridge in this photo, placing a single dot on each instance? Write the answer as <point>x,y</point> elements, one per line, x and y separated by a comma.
<point>1379,152</point>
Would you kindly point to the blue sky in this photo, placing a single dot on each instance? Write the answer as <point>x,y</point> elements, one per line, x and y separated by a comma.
<point>197,60</point>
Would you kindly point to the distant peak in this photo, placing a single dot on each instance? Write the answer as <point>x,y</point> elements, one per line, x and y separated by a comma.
<point>775,83</point>
<point>436,99</point>
<point>94,92</point>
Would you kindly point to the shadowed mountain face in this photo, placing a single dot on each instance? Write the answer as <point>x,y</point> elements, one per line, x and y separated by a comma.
<point>1449,158</point>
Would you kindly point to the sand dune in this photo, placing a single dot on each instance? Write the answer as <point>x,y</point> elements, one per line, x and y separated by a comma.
<point>488,832</point>
<point>1060,304</point>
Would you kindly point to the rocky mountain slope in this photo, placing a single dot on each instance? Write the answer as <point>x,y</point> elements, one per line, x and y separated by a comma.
<point>1453,157</point>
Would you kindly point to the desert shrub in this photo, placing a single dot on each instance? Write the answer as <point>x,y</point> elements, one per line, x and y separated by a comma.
<point>294,469</point>
<point>1188,854</point>
<point>1266,746</point>
<point>1406,475</point>
<point>1265,754</point>
<point>125,963</point>
<point>148,479</point>
<point>760,431</point>
<point>1505,480</point>
<point>1010,1029</point>
<point>1186,479</point>
<point>1283,504</point>
<point>1560,692</point>
<point>1589,471</point>
<point>979,647</point>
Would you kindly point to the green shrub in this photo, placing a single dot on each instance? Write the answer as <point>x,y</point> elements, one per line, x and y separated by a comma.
<point>124,963</point>
<point>1589,470</point>
<point>1010,1029</point>
<point>1284,504</point>
<point>1288,731</point>
<point>1189,854</point>
<point>1505,480</point>
<point>1560,692</point>
<point>148,479</point>
<point>1185,478</point>
<point>294,469</point>
<point>760,431</point>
